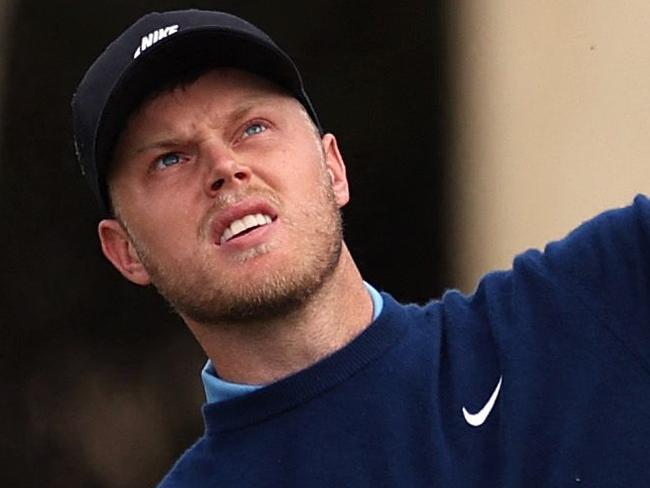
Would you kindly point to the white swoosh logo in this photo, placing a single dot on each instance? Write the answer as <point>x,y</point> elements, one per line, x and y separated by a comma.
<point>476,419</point>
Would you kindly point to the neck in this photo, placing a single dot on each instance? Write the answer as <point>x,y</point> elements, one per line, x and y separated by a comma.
<point>253,354</point>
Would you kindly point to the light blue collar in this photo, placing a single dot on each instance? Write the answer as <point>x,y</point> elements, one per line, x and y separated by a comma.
<point>218,390</point>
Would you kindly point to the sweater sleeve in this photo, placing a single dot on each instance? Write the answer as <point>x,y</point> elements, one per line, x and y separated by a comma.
<point>595,283</point>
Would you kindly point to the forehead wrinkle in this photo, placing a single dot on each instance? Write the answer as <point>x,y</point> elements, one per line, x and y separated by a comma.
<point>221,84</point>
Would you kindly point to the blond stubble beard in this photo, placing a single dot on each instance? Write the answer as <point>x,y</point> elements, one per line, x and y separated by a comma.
<point>195,293</point>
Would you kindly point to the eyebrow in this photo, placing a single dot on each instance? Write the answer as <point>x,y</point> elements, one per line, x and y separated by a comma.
<point>161,144</point>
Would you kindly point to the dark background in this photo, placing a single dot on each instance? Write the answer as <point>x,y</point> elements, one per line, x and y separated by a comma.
<point>101,379</point>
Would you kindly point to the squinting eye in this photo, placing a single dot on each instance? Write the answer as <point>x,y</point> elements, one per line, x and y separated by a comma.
<point>254,129</point>
<point>168,160</point>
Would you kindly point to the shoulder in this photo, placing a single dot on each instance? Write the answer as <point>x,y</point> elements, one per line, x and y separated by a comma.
<point>193,468</point>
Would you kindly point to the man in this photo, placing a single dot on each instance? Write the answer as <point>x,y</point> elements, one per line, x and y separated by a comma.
<point>221,189</point>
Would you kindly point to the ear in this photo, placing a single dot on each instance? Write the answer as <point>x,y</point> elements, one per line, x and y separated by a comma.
<point>336,169</point>
<point>119,250</point>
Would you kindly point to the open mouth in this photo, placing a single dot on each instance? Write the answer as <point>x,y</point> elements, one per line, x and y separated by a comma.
<point>244,225</point>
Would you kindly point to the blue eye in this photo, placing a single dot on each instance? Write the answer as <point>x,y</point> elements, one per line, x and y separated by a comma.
<point>169,159</point>
<point>254,129</point>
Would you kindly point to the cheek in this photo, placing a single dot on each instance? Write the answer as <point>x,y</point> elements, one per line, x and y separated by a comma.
<point>299,170</point>
<point>166,228</point>
<point>154,202</point>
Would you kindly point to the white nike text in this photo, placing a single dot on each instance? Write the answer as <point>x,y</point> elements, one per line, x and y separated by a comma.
<point>153,37</point>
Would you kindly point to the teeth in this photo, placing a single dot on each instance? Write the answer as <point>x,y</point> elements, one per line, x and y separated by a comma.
<point>246,222</point>
<point>250,221</point>
<point>227,234</point>
<point>238,226</point>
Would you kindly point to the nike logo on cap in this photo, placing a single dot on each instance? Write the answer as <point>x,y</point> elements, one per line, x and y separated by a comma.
<point>477,419</point>
<point>153,37</point>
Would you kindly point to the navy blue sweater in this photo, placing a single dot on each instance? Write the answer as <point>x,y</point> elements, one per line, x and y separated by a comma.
<point>567,331</point>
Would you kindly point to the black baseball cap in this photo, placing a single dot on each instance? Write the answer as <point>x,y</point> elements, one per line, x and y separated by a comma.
<point>157,48</point>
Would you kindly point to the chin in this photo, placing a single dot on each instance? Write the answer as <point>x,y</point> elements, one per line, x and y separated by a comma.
<point>268,289</point>
<point>250,254</point>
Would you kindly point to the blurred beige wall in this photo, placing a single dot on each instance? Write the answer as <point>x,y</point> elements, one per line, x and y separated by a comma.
<point>552,122</point>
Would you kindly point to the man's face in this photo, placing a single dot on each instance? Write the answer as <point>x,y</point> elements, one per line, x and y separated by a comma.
<point>227,199</point>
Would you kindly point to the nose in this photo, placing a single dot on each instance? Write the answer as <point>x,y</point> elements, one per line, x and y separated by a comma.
<point>225,170</point>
